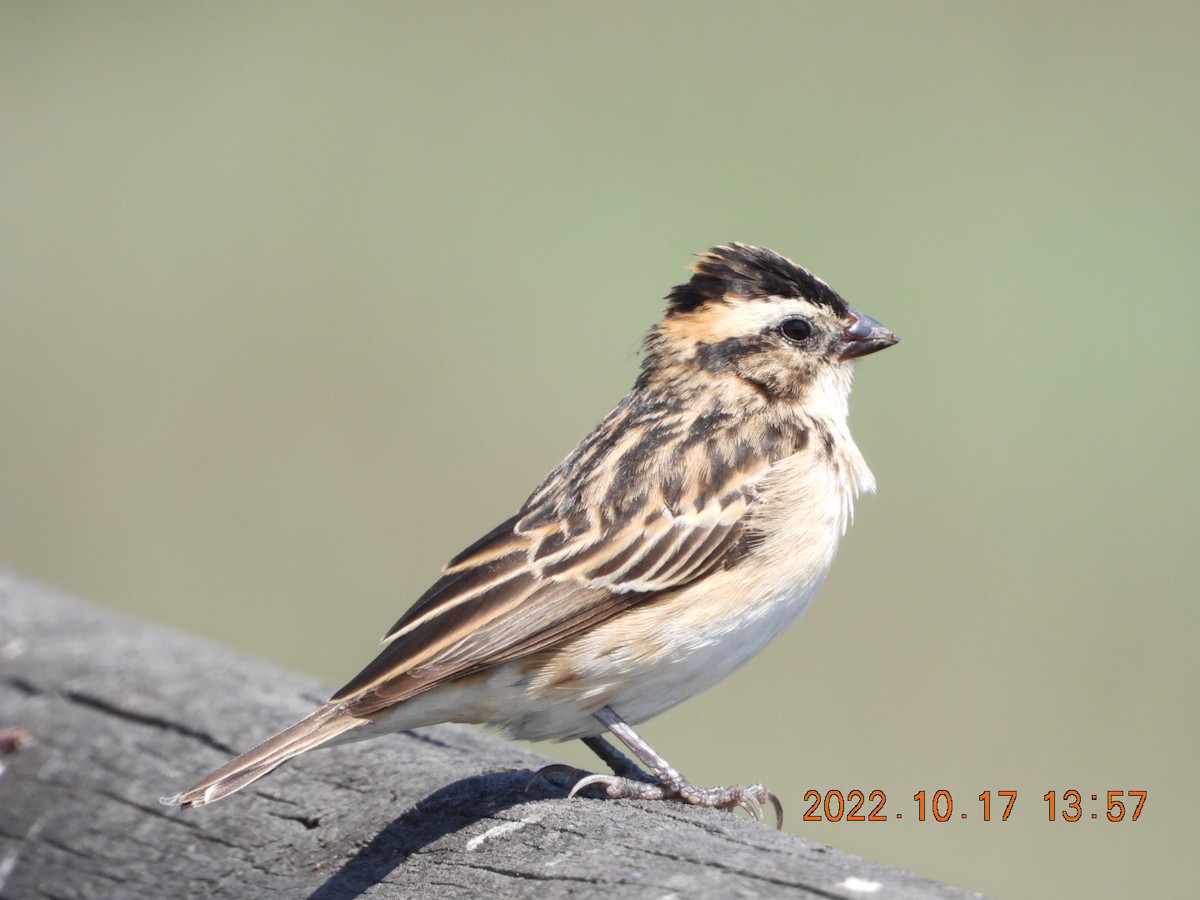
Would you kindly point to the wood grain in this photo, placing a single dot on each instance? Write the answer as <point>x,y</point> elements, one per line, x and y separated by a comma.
<point>101,715</point>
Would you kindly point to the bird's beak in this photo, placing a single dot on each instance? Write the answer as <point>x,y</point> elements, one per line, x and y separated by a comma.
<point>863,335</point>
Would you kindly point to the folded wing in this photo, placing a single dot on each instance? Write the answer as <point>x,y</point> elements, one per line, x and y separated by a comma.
<point>615,524</point>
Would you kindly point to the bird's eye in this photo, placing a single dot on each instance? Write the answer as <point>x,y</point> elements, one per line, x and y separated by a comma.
<point>796,329</point>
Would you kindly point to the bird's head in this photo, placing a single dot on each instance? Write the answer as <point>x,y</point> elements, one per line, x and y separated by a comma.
<point>750,313</point>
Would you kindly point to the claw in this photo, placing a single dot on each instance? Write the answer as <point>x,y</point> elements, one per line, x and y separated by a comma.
<point>619,788</point>
<point>753,799</point>
<point>750,805</point>
<point>778,810</point>
<point>552,769</point>
<point>588,781</point>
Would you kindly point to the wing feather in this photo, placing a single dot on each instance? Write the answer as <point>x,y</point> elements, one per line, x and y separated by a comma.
<point>615,524</point>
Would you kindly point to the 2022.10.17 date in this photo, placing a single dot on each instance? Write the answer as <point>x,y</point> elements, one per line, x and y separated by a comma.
<point>938,806</point>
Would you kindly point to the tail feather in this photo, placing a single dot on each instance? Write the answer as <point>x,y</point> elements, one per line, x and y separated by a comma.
<point>312,731</point>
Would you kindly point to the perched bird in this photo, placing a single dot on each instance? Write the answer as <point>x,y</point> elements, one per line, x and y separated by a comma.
<point>686,531</point>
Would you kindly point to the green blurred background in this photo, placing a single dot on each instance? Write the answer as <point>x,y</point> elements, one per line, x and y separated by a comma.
<point>298,300</point>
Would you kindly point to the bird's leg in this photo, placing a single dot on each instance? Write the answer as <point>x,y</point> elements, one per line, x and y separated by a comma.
<point>670,784</point>
<point>621,764</point>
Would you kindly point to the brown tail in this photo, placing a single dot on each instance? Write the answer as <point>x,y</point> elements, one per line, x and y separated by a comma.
<point>313,730</point>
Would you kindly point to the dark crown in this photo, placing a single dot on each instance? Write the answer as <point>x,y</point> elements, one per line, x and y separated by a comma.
<point>749,272</point>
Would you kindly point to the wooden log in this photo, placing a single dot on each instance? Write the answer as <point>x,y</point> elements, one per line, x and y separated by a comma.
<point>101,715</point>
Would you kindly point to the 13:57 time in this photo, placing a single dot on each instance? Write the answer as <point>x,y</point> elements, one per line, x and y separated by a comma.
<point>1072,805</point>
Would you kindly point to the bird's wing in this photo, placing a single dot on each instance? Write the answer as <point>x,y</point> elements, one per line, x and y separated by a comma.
<point>601,534</point>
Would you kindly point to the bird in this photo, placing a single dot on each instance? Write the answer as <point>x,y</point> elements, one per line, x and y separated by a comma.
<point>686,531</point>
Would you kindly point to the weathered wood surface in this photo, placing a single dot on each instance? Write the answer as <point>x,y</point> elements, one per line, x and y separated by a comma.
<point>119,712</point>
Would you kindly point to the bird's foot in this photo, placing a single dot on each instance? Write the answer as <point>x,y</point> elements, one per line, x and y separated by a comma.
<point>621,765</point>
<point>752,798</point>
